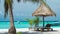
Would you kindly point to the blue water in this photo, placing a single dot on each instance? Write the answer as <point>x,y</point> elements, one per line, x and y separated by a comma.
<point>6,25</point>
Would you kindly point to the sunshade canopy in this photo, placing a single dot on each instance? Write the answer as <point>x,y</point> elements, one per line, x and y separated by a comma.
<point>44,10</point>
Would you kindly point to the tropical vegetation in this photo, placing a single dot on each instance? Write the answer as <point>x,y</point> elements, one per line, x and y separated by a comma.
<point>34,21</point>
<point>31,22</point>
<point>19,33</point>
<point>8,8</point>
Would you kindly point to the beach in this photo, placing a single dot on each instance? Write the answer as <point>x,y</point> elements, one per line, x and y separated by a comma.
<point>27,31</point>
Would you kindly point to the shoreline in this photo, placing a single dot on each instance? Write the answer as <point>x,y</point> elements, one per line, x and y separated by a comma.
<point>17,30</point>
<point>22,30</point>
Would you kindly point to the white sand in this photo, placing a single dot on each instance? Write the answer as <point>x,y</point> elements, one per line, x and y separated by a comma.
<point>17,30</point>
<point>29,31</point>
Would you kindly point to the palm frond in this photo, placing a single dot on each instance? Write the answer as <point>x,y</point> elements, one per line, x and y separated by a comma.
<point>34,1</point>
<point>43,2</point>
<point>36,20</point>
<point>18,0</point>
<point>7,5</point>
<point>47,6</point>
<point>6,9</point>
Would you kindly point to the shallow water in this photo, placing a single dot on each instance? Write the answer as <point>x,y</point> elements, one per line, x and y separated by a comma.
<point>5,25</point>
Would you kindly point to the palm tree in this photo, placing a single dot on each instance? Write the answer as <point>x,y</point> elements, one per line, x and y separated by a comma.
<point>31,21</point>
<point>18,0</point>
<point>8,6</point>
<point>34,1</point>
<point>36,22</point>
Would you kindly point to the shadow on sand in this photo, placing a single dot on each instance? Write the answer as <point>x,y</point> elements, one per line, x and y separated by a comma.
<point>4,33</point>
<point>36,32</point>
<point>48,31</point>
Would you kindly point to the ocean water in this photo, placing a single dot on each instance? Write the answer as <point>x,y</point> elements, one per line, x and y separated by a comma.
<point>6,25</point>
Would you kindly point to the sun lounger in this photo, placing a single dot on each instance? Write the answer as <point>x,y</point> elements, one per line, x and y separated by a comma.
<point>47,28</point>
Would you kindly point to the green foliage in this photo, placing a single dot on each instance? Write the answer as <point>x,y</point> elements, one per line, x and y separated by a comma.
<point>19,33</point>
<point>30,21</point>
<point>36,21</point>
<point>33,21</point>
<point>7,5</point>
<point>34,1</point>
<point>18,0</point>
<point>44,2</point>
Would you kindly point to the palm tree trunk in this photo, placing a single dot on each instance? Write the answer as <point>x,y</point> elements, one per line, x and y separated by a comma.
<point>12,29</point>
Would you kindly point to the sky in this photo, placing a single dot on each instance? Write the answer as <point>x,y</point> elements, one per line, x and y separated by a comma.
<point>24,10</point>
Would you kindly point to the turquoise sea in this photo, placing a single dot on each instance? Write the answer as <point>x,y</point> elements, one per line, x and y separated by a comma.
<point>18,24</point>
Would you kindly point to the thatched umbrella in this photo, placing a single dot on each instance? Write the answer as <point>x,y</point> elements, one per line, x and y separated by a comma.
<point>44,10</point>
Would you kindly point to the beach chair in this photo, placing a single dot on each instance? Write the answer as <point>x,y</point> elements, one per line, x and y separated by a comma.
<point>47,28</point>
<point>36,28</point>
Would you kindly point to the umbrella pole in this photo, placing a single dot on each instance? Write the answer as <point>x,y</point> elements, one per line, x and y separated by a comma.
<point>43,21</point>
